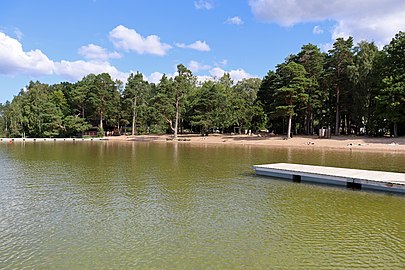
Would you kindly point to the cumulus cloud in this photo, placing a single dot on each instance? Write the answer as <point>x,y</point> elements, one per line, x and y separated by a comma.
<point>14,60</point>
<point>234,20</point>
<point>363,19</point>
<point>76,70</point>
<point>203,4</point>
<point>204,78</point>
<point>195,66</point>
<point>198,45</point>
<point>129,40</point>
<point>211,73</point>
<point>236,74</point>
<point>216,73</point>
<point>240,74</point>
<point>155,77</point>
<point>92,51</point>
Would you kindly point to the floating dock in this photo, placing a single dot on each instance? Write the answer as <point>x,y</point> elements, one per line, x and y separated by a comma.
<point>351,178</point>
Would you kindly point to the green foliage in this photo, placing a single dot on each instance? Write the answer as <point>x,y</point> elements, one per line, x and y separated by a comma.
<point>338,61</point>
<point>3,120</point>
<point>183,83</point>
<point>265,99</point>
<point>391,98</point>
<point>58,98</point>
<point>391,102</point>
<point>134,101</point>
<point>245,111</point>
<point>291,94</point>
<point>102,98</point>
<point>40,116</point>
<point>162,109</point>
<point>206,106</point>
<point>363,75</point>
<point>312,59</point>
<point>100,132</point>
<point>74,125</point>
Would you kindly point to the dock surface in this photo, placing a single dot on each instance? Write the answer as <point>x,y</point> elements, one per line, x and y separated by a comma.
<point>354,178</point>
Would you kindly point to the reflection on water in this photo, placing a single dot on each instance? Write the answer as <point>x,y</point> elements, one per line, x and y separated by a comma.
<point>144,205</point>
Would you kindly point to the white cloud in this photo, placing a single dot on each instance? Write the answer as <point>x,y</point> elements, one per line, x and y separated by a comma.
<point>317,30</point>
<point>155,77</point>
<point>235,20</point>
<point>203,4</point>
<point>374,20</point>
<point>198,45</point>
<point>14,60</point>
<point>92,51</point>
<point>204,78</point>
<point>76,70</point>
<point>212,75</point>
<point>129,40</point>
<point>236,74</point>
<point>195,66</point>
<point>240,74</point>
<point>217,72</point>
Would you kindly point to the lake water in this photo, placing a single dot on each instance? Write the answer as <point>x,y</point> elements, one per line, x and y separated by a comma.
<point>108,205</point>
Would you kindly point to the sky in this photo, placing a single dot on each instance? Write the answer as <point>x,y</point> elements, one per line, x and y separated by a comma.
<point>65,40</point>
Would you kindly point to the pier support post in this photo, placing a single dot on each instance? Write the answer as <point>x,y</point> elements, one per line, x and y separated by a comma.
<point>353,185</point>
<point>296,178</point>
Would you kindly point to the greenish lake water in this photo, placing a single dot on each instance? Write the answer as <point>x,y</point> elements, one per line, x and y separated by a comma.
<point>106,205</point>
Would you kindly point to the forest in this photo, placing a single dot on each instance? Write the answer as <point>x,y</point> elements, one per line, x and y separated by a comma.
<point>351,89</point>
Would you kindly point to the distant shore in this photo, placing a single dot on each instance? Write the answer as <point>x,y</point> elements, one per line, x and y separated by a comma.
<point>352,143</point>
<point>356,143</point>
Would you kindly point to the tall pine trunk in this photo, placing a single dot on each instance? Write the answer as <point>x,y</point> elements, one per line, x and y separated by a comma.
<point>395,129</point>
<point>289,126</point>
<point>176,121</point>
<point>308,123</point>
<point>337,123</point>
<point>101,121</point>
<point>133,132</point>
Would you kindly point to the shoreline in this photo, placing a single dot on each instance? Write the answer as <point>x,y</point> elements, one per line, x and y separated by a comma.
<point>351,143</point>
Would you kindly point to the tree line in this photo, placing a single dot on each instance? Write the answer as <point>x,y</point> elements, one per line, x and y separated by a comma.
<point>351,89</point>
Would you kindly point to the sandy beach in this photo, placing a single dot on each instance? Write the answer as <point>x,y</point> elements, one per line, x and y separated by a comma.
<point>351,143</point>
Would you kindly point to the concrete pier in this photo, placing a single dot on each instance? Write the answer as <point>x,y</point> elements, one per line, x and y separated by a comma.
<point>8,140</point>
<point>351,178</point>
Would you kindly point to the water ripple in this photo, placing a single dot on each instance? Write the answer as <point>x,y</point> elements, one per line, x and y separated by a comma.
<point>103,206</point>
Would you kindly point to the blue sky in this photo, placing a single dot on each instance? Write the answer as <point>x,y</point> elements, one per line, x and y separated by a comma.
<point>53,41</point>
